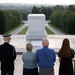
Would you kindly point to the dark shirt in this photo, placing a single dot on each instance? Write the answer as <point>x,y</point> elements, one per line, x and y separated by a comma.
<point>66,65</point>
<point>46,57</point>
<point>7,57</point>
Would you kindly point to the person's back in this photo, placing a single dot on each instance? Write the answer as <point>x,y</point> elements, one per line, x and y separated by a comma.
<point>29,61</point>
<point>66,55</point>
<point>45,59</point>
<point>7,57</point>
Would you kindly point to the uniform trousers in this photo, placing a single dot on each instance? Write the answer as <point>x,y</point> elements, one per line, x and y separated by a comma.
<point>7,73</point>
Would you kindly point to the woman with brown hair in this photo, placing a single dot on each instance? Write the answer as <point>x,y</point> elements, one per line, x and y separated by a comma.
<point>29,61</point>
<point>66,55</point>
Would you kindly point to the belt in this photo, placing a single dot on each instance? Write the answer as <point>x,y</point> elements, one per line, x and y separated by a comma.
<point>46,68</point>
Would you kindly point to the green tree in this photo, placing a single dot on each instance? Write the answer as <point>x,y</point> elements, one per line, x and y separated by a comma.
<point>71,23</point>
<point>47,11</point>
<point>9,19</point>
<point>71,8</point>
<point>35,10</point>
<point>58,7</point>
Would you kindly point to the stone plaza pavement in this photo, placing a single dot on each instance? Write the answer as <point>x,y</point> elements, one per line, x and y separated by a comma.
<point>19,41</point>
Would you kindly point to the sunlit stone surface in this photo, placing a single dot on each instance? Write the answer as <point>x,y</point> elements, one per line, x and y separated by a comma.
<point>36,26</point>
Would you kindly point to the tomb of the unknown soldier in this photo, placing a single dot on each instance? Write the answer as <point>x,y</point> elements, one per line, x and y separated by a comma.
<point>36,27</point>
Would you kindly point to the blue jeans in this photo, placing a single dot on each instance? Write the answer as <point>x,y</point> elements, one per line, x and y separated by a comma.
<point>7,73</point>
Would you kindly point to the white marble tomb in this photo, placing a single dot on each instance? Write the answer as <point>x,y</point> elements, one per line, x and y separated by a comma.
<point>36,27</point>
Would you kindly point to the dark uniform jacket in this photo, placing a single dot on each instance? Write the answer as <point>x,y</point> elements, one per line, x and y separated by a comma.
<point>7,57</point>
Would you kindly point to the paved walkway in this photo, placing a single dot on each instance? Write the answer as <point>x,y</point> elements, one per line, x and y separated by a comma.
<point>57,32</point>
<point>18,29</point>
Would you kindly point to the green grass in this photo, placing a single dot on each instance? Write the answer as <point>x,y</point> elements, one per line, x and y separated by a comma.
<point>13,29</point>
<point>48,31</point>
<point>25,30</point>
<point>59,29</point>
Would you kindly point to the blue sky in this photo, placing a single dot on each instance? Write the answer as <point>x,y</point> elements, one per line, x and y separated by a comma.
<point>54,2</point>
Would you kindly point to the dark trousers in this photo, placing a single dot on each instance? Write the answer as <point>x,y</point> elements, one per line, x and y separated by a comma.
<point>30,71</point>
<point>7,73</point>
<point>46,71</point>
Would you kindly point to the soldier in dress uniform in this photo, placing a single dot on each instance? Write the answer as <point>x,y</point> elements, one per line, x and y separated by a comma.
<point>7,56</point>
